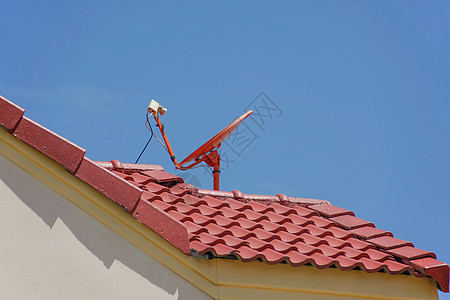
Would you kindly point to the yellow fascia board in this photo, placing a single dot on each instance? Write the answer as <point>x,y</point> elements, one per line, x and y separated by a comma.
<point>219,278</point>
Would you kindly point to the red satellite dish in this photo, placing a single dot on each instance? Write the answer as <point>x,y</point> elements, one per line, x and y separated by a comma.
<point>207,152</point>
<point>216,140</point>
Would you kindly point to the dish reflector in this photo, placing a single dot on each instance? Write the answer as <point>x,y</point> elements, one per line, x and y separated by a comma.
<point>216,140</point>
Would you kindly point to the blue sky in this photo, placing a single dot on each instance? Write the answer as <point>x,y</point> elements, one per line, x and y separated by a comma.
<point>362,90</point>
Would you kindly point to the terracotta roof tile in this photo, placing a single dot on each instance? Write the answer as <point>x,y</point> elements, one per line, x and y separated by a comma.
<point>208,211</point>
<point>359,244</point>
<point>247,254</point>
<point>213,202</point>
<point>305,212</point>
<point>298,259</point>
<point>200,247</point>
<point>299,220</point>
<point>237,205</point>
<point>179,190</point>
<point>217,230</point>
<point>163,205</point>
<point>265,235</point>
<point>329,210</point>
<point>139,178</point>
<point>234,241</point>
<point>209,239</point>
<point>371,266</point>
<point>223,250</point>
<point>409,253</point>
<point>231,213</point>
<point>354,253</point>
<point>282,247</point>
<point>294,229</point>
<point>260,208</point>
<point>242,233</point>
<point>281,209</point>
<point>277,218</point>
<point>340,233</point>
<point>322,261</point>
<point>149,196</point>
<point>330,251</point>
<point>351,222</point>
<point>200,219</point>
<point>336,243</point>
<point>273,229</point>
<point>257,244</point>
<point>194,228</point>
<point>161,176</point>
<point>288,237</point>
<point>183,208</point>
<point>367,232</point>
<point>387,242</point>
<point>224,221</point>
<point>317,231</point>
<point>272,256</point>
<point>313,240</point>
<point>346,263</point>
<point>377,255</point>
<point>395,267</point>
<point>322,222</point>
<point>250,225</point>
<point>194,201</point>
<point>306,249</point>
<point>169,198</point>
<point>156,188</point>
<point>254,216</point>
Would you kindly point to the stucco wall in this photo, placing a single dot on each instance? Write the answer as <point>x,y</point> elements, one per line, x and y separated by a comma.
<point>51,249</point>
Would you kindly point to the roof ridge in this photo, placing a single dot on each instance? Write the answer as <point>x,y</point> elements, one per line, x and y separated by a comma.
<point>115,165</point>
<point>127,167</point>
<point>265,199</point>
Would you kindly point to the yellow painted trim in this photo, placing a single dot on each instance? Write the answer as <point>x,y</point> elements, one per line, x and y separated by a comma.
<point>219,278</point>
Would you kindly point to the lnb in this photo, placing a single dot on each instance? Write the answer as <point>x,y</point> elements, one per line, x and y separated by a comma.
<point>155,108</point>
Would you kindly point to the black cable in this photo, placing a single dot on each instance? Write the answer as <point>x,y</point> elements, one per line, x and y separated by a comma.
<point>149,127</point>
<point>145,147</point>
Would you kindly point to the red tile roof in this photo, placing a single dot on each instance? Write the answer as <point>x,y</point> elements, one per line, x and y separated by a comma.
<point>273,229</point>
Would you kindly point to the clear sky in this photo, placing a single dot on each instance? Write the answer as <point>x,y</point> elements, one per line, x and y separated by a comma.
<point>358,94</point>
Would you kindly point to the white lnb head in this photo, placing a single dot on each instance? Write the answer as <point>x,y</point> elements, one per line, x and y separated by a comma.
<point>156,108</point>
<point>162,110</point>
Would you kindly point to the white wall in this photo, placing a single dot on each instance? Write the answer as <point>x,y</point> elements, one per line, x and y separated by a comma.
<point>51,249</point>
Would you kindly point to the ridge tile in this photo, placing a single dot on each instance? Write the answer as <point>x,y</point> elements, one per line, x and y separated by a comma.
<point>330,211</point>
<point>408,252</point>
<point>368,232</point>
<point>387,242</point>
<point>351,222</point>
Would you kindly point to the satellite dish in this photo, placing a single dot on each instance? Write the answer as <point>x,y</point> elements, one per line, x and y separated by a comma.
<point>206,153</point>
<point>216,140</point>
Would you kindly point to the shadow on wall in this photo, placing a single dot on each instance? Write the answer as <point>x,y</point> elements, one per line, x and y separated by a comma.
<point>104,243</point>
